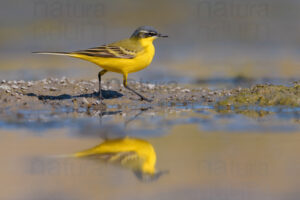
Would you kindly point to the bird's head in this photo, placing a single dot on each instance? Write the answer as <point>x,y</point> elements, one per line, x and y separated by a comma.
<point>149,177</point>
<point>147,34</point>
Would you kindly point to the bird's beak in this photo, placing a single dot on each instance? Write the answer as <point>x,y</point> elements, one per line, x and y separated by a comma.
<point>161,35</point>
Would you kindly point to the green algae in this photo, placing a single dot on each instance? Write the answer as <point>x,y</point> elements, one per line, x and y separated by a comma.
<point>264,95</point>
<point>246,112</point>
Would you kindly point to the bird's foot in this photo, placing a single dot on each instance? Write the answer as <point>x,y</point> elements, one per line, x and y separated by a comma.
<point>146,99</point>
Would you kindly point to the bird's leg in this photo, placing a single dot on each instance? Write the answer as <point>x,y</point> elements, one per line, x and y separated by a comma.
<point>101,73</point>
<point>126,86</point>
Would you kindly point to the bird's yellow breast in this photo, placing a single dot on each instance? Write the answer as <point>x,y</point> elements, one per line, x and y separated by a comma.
<point>124,65</point>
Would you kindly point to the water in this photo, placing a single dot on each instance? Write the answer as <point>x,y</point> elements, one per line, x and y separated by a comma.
<point>202,153</point>
<point>159,118</point>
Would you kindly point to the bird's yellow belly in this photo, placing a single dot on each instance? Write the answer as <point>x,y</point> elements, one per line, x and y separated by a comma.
<point>123,65</point>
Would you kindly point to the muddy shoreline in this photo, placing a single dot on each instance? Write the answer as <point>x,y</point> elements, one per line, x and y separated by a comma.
<point>84,93</point>
<point>67,95</point>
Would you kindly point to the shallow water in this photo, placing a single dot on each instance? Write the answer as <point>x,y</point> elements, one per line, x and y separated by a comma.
<point>160,118</point>
<point>202,152</point>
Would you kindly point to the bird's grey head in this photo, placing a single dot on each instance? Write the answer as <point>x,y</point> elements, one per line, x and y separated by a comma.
<point>145,32</point>
<point>144,177</point>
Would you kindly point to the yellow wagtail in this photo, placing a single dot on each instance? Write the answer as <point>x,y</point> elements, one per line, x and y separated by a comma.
<point>135,154</point>
<point>124,56</point>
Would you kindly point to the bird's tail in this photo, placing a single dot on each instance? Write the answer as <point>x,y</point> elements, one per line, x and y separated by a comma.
<point>63,156</point>
<point>54,53</point>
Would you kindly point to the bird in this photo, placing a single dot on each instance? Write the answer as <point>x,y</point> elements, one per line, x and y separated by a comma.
<point>135,154</point>
<point>125,56</point>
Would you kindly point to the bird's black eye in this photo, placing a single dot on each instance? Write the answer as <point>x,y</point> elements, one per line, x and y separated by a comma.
<point>150,34</point>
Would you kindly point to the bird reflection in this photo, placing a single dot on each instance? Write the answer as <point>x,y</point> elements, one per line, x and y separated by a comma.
<point>131,153</point>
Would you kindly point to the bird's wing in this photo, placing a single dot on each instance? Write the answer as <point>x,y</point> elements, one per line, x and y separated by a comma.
<point>127,159</point>
<point>130,160</point>
<point>121,49</point>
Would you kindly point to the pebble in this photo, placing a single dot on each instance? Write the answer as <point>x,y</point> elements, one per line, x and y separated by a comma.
<point>186,90</point>
<point>104,87</point>
<point>29,84</point>
<point>137,86</point>
<point>151,86</point>
<point>209,100</point>
<point>194,98</point>
<point>97,102</point>
<point>21,82</point>
<point>94,80</point>
<point>53,89</point>
<point>4,87</point>
<point>44,81</point>
<point>84,100</point>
